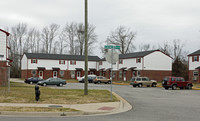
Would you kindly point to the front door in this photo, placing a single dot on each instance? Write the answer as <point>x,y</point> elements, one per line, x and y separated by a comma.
<point>41,74</point>
<point>78,74</point>
<point>55,74</point>
<point>124,75</point>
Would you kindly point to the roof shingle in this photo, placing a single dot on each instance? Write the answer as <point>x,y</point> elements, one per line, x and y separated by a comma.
<point>60,57</point>
<point>195,53</point>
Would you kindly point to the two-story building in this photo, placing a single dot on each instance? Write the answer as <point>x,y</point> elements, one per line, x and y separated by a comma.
<point>4,60</point>
<point>57,65</point>
<point>154,64</point>
<point>194,66</point>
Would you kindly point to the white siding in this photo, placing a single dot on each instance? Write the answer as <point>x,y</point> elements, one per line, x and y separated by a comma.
<point>107,65</point>
<point>193,65</point>
<point>3,45</point>
<point>24,63</point>
<point>48,64</point>
<point>131,62</point>
<point>157,61</point>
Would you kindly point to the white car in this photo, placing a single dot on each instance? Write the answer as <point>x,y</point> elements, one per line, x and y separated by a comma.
<point>90,78</point>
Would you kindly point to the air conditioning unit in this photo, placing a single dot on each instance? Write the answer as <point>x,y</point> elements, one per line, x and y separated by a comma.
<point>194,78</point>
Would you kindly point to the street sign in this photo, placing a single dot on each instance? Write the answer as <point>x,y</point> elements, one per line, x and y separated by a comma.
<point>111,47</point>
<point>111,54</point>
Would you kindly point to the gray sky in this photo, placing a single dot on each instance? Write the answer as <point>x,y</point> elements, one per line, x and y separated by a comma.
<point>154,21</point>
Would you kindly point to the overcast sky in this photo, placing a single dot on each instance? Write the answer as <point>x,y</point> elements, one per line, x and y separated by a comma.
<point>154,21</point>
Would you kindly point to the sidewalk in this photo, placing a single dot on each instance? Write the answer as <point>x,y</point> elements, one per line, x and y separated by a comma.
<point>84,109</point>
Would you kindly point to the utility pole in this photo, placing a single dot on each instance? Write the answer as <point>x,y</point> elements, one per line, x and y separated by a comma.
<point>86,49</point>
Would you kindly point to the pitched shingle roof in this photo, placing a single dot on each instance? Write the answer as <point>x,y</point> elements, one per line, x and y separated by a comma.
<point>195,53</point>
<point>60,57</point>
<point>134,55</point>
<point>5,32</point>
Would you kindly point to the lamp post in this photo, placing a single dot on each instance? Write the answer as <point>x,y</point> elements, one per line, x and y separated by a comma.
<point>86,49</point>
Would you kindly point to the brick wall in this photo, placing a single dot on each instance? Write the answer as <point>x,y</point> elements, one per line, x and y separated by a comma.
<point>3,75</point>
<point>155,75</point>
<point>190,76</point>
<point>3,63</point>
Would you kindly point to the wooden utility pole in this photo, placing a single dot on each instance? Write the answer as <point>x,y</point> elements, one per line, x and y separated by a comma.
<point>86,49</point>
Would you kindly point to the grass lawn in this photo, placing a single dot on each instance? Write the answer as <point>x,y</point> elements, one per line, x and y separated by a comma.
<point>36,109</point>
<point>25,93</point>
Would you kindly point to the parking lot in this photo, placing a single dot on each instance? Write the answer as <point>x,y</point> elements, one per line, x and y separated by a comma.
<point>151,104</point>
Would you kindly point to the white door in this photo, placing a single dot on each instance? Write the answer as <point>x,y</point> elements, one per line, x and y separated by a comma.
<point>124,75</point>
<point>55,74</point>
<point>78,74</point>
<point>41,74</point>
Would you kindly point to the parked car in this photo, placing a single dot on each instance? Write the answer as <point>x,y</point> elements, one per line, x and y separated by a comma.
<point>101,79</point>
<point>90,79</point>
<point>52,81</point>
<point>32,80</point>
<point>174,82</point>
<point>142,81</point>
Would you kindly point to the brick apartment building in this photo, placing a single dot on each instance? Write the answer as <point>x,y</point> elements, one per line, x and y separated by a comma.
<point>154,64</point>
<point>194,66</point>
<point>4,60</point>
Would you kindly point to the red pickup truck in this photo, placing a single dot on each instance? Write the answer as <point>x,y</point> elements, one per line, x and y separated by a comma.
<point>174,82</point>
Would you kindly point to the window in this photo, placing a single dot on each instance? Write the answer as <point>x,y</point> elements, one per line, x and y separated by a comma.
<point>72,74</point>
<point>173,79</point>
<point>61,61</point>
<point>113,74</point>
<point>144,79</point>
<point>178,79</point>
<point>61,73</point>
<point>195,73</point>
<point>195,58</point>
<point>100,63</point>
<point>182,79</point>
<point>138,60</point>
<point>138,79</point>
<point>73,62</point>
<point>120,61</point>
<point>33,60</point>
<point>120,74</point>
<point>33,72</point>
<point>138,73</point>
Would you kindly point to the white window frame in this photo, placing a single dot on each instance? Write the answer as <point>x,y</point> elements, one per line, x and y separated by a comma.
<point>195,73</point>
<point>62,61</point>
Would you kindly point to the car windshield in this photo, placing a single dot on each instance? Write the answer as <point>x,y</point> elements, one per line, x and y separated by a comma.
<point>133,79</point>
<point>166,79</point>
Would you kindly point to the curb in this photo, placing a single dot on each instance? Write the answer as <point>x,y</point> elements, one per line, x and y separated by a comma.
<point>122,107</point>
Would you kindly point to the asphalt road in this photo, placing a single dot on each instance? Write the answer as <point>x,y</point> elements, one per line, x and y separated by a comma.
<point>149,104</point>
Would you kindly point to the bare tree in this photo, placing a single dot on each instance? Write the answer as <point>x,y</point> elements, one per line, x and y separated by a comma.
<point>166,48</point>
<point>69,32</point>
<point>33,40</point>
<point>48,36</point>
<point>92,38</point>
<point>123,37</point>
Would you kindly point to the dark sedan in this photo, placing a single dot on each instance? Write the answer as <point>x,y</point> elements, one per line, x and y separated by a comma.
<point>32,80</point>
<point>52,81</point>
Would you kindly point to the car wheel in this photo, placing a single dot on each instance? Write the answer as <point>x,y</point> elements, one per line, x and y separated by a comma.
<point>134,86</point>
<point>189,87</point>
<point>109,82</point>
<point>174,87</point>
<point>181,87</point>
<point>140,85</point>
<point>60,84</point>
<point>166,88</point>
<point>44,84</point>
<point>154,85</point>
<point>99,82</point>
<point>31,82</point>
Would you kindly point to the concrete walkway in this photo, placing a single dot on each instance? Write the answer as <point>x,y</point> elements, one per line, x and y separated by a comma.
<point>84,109</point>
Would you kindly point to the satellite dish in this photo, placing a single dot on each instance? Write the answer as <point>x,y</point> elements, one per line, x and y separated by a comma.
<point>109,56</point>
